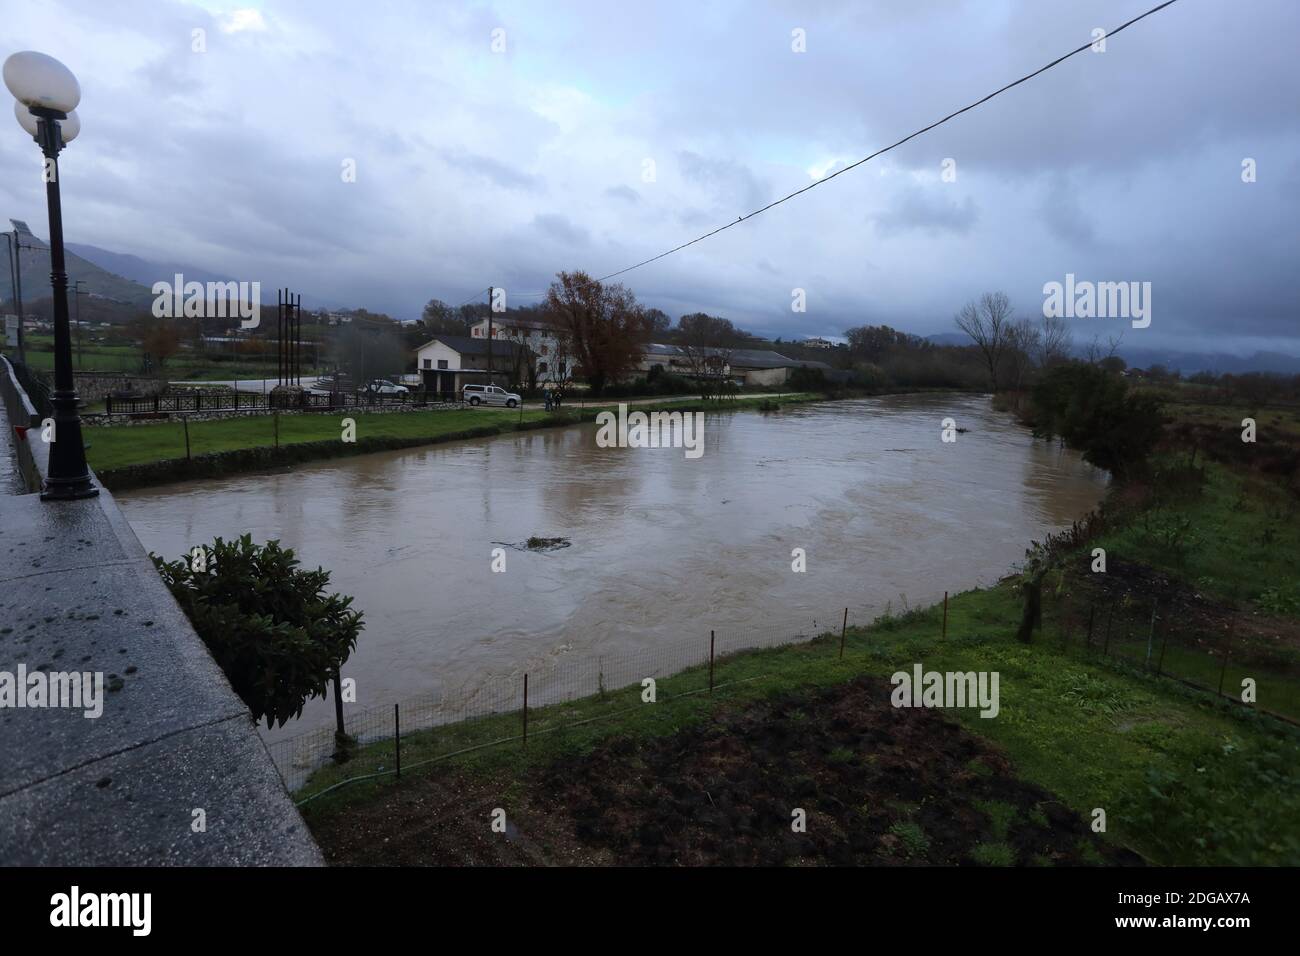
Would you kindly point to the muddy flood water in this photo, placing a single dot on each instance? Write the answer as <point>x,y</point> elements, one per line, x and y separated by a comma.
<point>661,546</point>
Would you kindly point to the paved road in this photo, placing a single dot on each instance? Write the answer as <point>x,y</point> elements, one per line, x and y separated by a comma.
<point>249,384</point>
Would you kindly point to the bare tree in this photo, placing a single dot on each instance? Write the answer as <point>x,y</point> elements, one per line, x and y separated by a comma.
<point>1054,341</point>
<point>1024,340</point>
<point>988,323</point>
<point>1095,353</point>
<point>703,340</point>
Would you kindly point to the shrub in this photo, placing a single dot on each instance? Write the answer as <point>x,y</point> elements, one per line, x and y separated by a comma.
<point>269,624</point>
<point>1093,411</point>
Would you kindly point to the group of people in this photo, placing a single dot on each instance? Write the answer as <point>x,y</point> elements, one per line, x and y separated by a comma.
<point>552,400</point>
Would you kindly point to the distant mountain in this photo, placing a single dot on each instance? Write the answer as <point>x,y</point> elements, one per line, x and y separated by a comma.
<point>1186,362</point>
<point>1219,362</point>
<point>95,280</point>
<point>139,270</point>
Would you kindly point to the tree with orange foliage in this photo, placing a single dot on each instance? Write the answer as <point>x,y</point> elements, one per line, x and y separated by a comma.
<point>602,326</point>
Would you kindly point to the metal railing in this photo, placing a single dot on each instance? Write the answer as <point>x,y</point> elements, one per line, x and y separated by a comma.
<point>195,401</point>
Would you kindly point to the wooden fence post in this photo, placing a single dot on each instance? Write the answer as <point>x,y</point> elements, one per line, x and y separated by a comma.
<point>338,705</point>
<point>1110,616</point>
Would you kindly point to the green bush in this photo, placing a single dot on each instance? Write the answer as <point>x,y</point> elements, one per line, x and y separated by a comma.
<point>1093,411</point>
<point>271,627</point>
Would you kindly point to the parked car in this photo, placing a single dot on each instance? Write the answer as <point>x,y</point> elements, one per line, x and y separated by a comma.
<point>382,386</point>
<point>489,395</point>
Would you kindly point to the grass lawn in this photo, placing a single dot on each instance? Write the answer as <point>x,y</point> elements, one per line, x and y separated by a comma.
<point>109,447</point>
<point>1240,539</point>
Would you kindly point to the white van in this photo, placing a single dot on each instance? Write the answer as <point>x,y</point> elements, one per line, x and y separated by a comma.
<point>489,395</point>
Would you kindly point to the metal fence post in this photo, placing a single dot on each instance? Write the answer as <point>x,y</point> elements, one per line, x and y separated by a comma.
<point>944,635</point>
<point>1092,611</point>
<point>525,708</point>
<point>1164,642</point>
<point>1227,652</point>
<point>1151,633</point>
<point>710,662</point>
<point>397,737</point>
<point>843,628</point>
<point>185,421</point>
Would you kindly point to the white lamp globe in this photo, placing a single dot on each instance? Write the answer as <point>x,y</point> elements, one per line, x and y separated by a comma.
<point>39,80</point>
<point>70,127</point>
<point>25,119</point>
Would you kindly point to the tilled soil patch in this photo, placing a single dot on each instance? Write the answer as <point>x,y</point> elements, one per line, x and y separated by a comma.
<point>873,784</point>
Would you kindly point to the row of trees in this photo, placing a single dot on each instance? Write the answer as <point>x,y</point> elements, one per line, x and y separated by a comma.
<point>601,329</point>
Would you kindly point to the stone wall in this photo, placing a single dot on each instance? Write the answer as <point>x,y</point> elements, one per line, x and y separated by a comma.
<point>94,386</point>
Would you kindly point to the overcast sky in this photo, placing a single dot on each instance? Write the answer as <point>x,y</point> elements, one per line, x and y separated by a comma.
<point>478,168</point>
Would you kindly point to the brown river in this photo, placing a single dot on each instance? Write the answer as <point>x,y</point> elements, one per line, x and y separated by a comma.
<point>661,545</point>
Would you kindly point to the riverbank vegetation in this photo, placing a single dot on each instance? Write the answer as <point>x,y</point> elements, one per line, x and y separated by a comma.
<point>1162,689</point>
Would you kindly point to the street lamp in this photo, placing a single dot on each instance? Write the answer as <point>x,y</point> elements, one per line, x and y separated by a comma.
<point>47,95</point>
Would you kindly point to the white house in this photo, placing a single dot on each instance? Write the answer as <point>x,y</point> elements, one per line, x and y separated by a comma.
<point>447,363</point>
<point>540,337</point>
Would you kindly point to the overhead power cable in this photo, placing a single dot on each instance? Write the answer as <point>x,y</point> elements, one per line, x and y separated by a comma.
<point>926,129</point>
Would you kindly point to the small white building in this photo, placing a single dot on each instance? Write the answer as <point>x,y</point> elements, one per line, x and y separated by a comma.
<point>447,363</point>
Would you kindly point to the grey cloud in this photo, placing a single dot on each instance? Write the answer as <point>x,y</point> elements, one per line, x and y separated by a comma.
<point>494,171</point>
<point>556,226</point>
<point>929,211</point>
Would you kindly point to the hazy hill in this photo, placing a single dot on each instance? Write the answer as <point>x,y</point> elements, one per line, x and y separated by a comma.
<point>95,280</point>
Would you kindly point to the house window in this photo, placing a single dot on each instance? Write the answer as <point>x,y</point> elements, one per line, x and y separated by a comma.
<point>442,363</point>
<point>428,363</point>
<point>541,368</point>
<point>545,349</point>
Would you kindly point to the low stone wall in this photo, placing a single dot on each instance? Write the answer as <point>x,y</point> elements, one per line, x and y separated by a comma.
<point>118,420</point>
<point>171,743</point>
<point>95,386</point>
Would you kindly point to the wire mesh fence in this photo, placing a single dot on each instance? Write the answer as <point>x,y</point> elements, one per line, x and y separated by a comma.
<point>495,708</point>
<point>1182,636</point>
<point>1200,644</point>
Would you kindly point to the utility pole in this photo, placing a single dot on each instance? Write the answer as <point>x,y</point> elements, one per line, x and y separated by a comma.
<point>489,370</point>
<point>18,289</point>
<point>77,294</point>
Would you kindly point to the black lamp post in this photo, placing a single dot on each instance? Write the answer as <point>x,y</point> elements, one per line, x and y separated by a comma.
<point>47,95</point>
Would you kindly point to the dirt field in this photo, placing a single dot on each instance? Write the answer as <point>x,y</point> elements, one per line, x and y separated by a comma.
<point>879,786</point>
